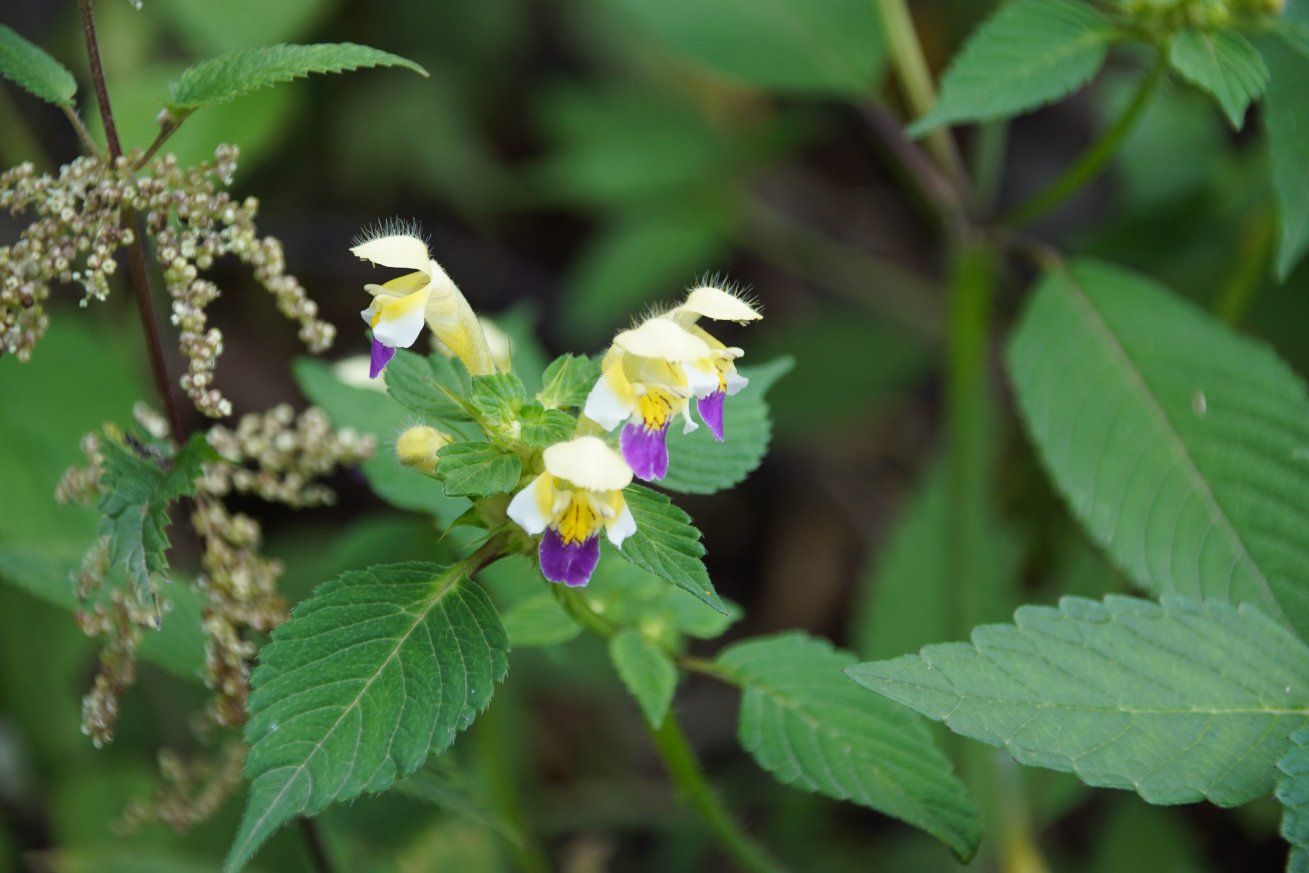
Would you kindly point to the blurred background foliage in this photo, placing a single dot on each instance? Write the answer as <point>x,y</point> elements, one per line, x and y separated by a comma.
<point>573,163</point>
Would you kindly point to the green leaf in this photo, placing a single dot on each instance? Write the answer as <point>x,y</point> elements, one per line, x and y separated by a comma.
<point>1179,444</point>
<point>646,671</point>
<point>631,597</point>
<point>810,727</point>
<point>28,66</point>
<point>237,73</point>
<point>568,380</point>
<point>667,544</point>
<point>545,427</point>
<point>794,45</point>
<point>539,620</point>
<point>1293,792</point>
<point>477,469</point>
<point>1223,63</point>
<point>374,672</point>
<point>699,464</point>
<point>1029,53</point>
<point>1288,141</point>
<point>137,490</point>
<point>497,397</point>
<point>429,386</point>
<point>1180,701</point>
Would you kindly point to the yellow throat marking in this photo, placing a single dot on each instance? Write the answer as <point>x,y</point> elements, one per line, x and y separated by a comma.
<point>579,520</point>
<point>656,406</point>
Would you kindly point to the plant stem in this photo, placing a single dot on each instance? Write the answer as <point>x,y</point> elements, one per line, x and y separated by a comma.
<point>167,127</point>
<point>318,856</point>
<point>82,133</point>
<point>498,766</point>
<point>916,81</point>
<point>1254,246</point>
<point>696,792</point>
<point>1093,160</point>
<point>136,265</point>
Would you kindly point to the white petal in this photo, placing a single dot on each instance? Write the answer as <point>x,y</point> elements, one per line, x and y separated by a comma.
<point>690,423</point>
<point>401,251</point>
<point>367,314</point>
<point>588,463</point>
<point>529,507</point>
<point>661,338</point>
<point>735,382</point>
<point>717,304</point>
<point>399,322</point>
<point>604,405</point>
<point>701,377</point>
<point>621,526</point>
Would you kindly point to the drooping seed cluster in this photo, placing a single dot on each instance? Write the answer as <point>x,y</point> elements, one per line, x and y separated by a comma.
<point>192,791</point>
<point>79,228</point>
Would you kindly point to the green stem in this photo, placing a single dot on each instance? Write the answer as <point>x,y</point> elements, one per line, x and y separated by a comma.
<point>696,792</point>
<point>318,857</point>
<point>988,163</point>
<point>1258,233</point>
<point>168,125</point>
<point>916,81</point>
<point>83,134</point>
<point>498,766</point>
<point>1093,160</point>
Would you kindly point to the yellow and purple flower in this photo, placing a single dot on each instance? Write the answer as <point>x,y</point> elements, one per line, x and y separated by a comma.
<point>714,378</point>
<point>580,493</point>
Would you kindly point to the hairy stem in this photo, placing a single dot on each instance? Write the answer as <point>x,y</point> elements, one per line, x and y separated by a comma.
<point>696,792</point>
<point>1092,161</point>
<point>136,264</point>
<point>82,133</point>
<point>322,862</point>
<point>167,127</point>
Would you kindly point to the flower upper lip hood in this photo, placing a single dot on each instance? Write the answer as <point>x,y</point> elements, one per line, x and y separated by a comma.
<point>401,306</point>
<point>588,463</point>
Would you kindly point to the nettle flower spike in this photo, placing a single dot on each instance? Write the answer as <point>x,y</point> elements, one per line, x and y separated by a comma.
<point>402,305</point>
<point>713,379</point>
<point>643,382</point>
<point>580,492</point>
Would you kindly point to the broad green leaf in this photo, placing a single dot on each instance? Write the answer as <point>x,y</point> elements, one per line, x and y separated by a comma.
<point>372,412</point>
<point>373,673</point>
<point>1179,444</point>
<point>429,386</point>
<point>28,66</point>
<point>1288,141</point>
<point>497,397</point>
<point>545,427</point>
<point>477,469</point>
<point>237,73</point>
<point>794,45</point>
<point>1293,792</point>
<point>810,727</point>
<point>568,380</point>
<point>1180,701</point>
<point>631,597</point>
<point>699,464</point>
<point>1027,54</point>
<point>647,671</point>
<point>667,544</point>
<point>539,620</point>
<point>1223,63</point>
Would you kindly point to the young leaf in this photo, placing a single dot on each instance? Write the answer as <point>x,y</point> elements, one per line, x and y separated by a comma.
<point>568,380</point>
<point>374,672</point>
<point>810,727</point>
<point>236,74</point>
<point>498,397</point>
<point>699,464</point>
<point>28,66</point>
<point>667,544</point>
<point>1180,701</point>
<point>1178,443</point>
<point>631,597</point>
<point>1293,792</point>
<point>1029,53</point>
<point>428,386</point>
<point>1288,141</point>
<point>836,46</point>
<point>477,469</point>
<point>1224,64</point>
<point>646,671</point>
<point>545,427</point>
<point>539,620</point>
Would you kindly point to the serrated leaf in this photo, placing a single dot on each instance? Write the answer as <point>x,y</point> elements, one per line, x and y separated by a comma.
<point>237,73</point>
<point>629,596</point>
<point>836,46</point>
<point>1027,54</point>
<point>805,723</point>
<point>1293,793</point>
<point>498,397</point>
<point>1179,444</point>
<point>429,386</point>
<point>477,469</point>
<point>1288,141</point>
<point>539,620</point>
<point>374,672</point>
<point>1180,701</point>
<point>667,544</point>
<point>699,464</point>
<point>28,66</point>
<point>545,427</point>
<point>568,380</point>
<point>647,671</point>
<point>1224,64</point>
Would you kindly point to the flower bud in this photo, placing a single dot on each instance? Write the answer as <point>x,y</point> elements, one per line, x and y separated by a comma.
<point>417,447</point>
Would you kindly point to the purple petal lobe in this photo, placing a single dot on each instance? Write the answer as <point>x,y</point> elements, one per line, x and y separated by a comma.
<point>569,563</point>
<point>711,413</point>
<point>382,355</point>
<point>645,451</point>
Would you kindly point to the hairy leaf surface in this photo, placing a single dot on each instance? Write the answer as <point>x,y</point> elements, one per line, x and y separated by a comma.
<point>667,544</point>
<point>646,670</point>
<point>477,469</point>
<point>1293,792</point>
<point>28,66</point>
<point>1224,64</point>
